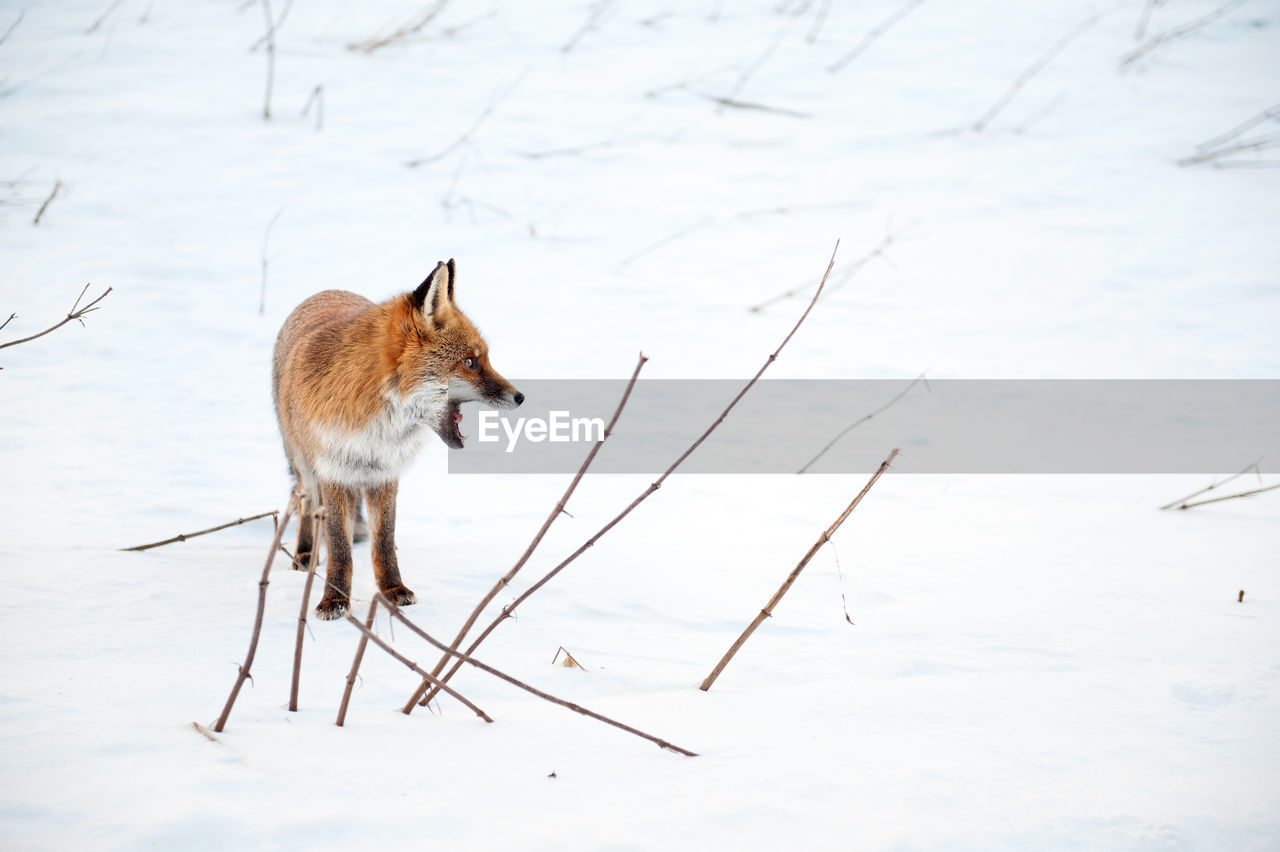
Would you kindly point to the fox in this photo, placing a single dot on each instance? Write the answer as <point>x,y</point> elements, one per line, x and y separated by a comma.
<point>358,387</point>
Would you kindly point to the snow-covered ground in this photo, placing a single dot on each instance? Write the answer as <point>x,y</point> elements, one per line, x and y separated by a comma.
<point>1035,661</point>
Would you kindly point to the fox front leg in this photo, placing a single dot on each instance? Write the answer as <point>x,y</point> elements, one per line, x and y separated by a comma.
<point>381,501</point>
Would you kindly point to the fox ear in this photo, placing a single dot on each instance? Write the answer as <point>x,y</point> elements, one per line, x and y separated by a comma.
<point>453,276</point>
<point>431,295</point>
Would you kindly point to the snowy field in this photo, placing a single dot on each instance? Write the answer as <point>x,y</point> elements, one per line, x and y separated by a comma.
<point>1035,662</point>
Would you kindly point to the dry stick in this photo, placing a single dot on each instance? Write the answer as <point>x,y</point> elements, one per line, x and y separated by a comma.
<point>670,238</point>
<point>185,536</point>
<point>73,314</point>
<point>1032,70</point>
<point>1231,496</point>
<point>355,665</point>
<point>271,31</point>
<point>317,518</point>
<point>317,96</point>
<point>879,30</point>
<point>266,235</point>
<point>818,21</point>
<point>1223,138</point>
<point>1041,113</point>
<point>795,572</point>
<point>6,322</point>
<point>506,579</point>
<point>13,26</point>
<point>750,70</point>
<point>863,419</point>
<point>1177,32</point>
<point>602,6</point>
<point>1250,145</point>
<point>475,125</point>
<point>371,44</point>
<point>1253,466</point>
<point>56,186</point>
<point>654,486</point>
<point>204,732</point>
<point>845,274</point>
<point>1147,9</point>
<point>466,658</point>
<point>271,59</point>
<point>103,17</point>
<point>257,622</point>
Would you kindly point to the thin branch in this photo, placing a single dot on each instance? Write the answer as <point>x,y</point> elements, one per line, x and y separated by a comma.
<point>3,38</point>
<point>317,97</point>
<point>1251,467</point>
<point>505,579</point>
<point>369,45</point>
<point>751,69</point>
<point>317,519</point>
<point>257,622</point>
<point>102,18</point>
<point>846,273</point>
<point>185,536</point>
<point>1231,496</point>
<point>1178,33</point>
<point>877,31</point>
<point>1259,144</point>
<point>6,322</point>
<point>846,430</point>
<point>272,29</point>
<point>818,21</point>
<point>722,102</point>
<point>1036,116</point>
<point>1223,138</point>
<point>469,660</point>
<point>355,664</point>
<point>1032,70</point>
<point>670,238</point>
<point>56,186</point>
<point>593,22</point>
<point>271,58</point>
<point>465,138</point>
<point>73,314</point>
<point>654,486</point>
<point>266,236</point>
<point>1147,9</point>
<point>204,732</point>
<point>795,572</point>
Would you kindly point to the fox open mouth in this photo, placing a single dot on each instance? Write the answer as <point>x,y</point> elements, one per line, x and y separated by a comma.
<point>450,426</point>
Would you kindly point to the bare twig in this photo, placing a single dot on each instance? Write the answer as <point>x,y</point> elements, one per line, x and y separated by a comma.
<point>670,238</point>
<point>272,28</point>
<point>6,322</point>
<point>818,20</point>
<point>556,511</point>
<point>355,664</point>
<point>654,486</point>
<point>1147,9</point>
<point>465,138</point>
<point>317,97</point>
<point>748,72</point>
<point>1218,484</point>
<point>271,58</point>
<point>1032,70</point>
<point>875,33</point>
<point>846,430</point>
<point>1223,138</point>
<point>74,314</point>
<point>369,45</point>
<point>795,572</point>
<point>243,674</point>
<point>56,186</point>
<point>22,14</point>
<point>1176,33</point>
<point>1231,496</point>
<point>593,22</point>
<point>102,18</point>
<point>1036,116</point>
<point>185,536</point>
<point>317,532</point>
<point>1259,144</point>
<point>846,273</point>
<point>204,732</point>
<point>750,105</point>
<point>266,236</point>
<point>469,660</point>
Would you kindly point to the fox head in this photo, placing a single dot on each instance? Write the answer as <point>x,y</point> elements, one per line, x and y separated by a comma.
<point>446,359</point>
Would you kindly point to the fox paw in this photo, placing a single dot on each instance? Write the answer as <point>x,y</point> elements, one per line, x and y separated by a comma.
<point>400,596</point>
<point>331,608</point>
<point>302,562</point>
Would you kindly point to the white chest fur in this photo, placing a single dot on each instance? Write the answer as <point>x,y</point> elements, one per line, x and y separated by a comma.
<point>384,447</point>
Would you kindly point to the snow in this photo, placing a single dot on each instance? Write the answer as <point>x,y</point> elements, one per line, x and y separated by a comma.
<point>1035,661</point>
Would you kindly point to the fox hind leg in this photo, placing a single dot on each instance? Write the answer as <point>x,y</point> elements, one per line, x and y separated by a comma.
<point>306,547</point>
<point>337,586</point>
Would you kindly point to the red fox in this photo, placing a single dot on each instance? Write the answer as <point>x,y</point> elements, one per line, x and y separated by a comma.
<point>357,387</point>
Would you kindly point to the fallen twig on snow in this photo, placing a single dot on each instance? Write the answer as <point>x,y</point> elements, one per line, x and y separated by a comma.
<point>644,495</point>
<point>185,536</point>
<point>39,213</point>
<point>795,572</point>
<point>1147,9</point>
<point>1177,33</point>
<point>204,732</point>
<point>257,622</point>
<point>469,660</point>
<point>316,97</point>
<point>875,33</point>
<point>465,138</point>
<point>1249,124</point>
<point>846,273</point>
<point>1032,70</point>
<point>593,22</point>
<point>1250,467</point>
<point>3,38</point>
<point>102,18</point>
<point>369,45</point>
<point>1259,144</point>
<point>1230,496</point>
<point>266,237</point>
<point>74,314</point>
<point>846,430</point>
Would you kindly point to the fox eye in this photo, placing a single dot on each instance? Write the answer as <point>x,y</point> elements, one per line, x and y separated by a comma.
<point>470,363</point>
